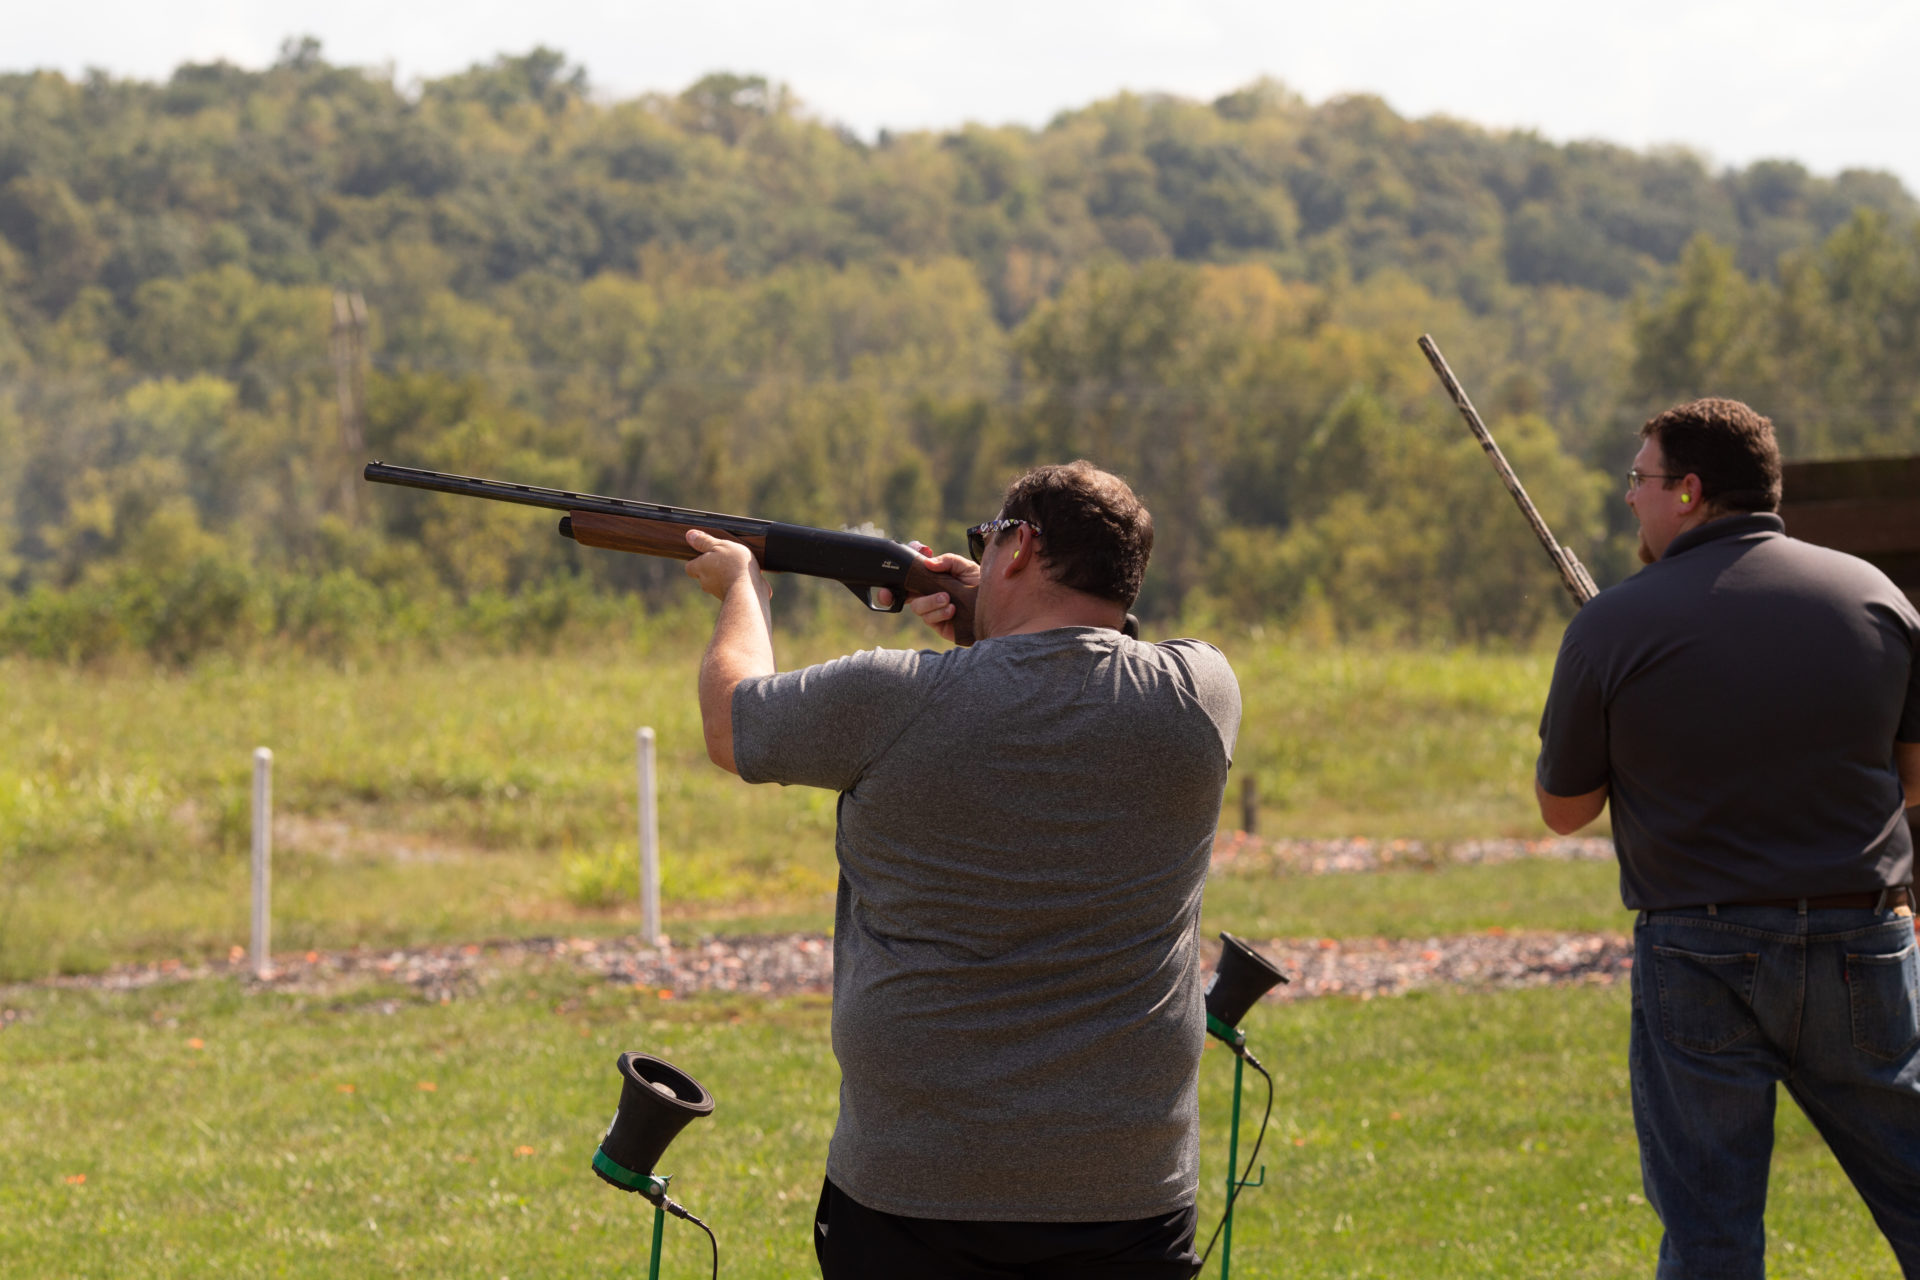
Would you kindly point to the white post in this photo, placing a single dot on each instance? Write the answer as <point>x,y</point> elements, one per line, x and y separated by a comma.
<point>649,844</point>
<point>262,862</point>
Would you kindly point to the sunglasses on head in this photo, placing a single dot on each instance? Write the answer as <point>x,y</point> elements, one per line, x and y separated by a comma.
<point>978,535</point>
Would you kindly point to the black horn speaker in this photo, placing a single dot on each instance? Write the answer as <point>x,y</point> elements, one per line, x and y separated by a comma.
<point>1239,980</point>
<point>657,1101</point>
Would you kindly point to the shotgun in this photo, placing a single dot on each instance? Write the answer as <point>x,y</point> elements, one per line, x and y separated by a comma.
<point>865,564</point>
<point>1579,582</point>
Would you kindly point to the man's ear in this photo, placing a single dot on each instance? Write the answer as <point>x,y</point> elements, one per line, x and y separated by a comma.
<point>1691,492</point>
<point>1024,553</point>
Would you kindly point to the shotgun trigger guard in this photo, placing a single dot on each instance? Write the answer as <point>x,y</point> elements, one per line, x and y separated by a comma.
<point>866,597</point>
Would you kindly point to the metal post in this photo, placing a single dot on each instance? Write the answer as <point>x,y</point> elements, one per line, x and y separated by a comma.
<point>649,843</point>
<point>659,1226</point>
<point>262,863</point>
<point>1249,804</point>
<point>350,381</point>
<point>1233,1170</point>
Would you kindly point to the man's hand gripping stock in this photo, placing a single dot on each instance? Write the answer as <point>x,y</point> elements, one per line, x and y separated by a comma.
<point>936,609</point>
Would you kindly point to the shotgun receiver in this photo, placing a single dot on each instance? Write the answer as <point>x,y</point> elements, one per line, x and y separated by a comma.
<point>1573,574</point>
<point>863,563</point>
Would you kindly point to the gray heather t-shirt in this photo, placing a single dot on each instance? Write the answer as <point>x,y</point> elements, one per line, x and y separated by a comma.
<point>1024,832</point>
<point>1741,698</point>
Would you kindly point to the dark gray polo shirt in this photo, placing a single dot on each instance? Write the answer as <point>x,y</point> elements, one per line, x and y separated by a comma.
<point>1741,698</point>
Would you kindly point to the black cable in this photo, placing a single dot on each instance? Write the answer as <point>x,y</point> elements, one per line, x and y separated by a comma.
<point>679,1210</point>
<point>1234,1195</point>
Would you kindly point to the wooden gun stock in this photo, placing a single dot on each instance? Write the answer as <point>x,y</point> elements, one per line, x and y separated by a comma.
<point>668,539</point>
<point>647,537</point>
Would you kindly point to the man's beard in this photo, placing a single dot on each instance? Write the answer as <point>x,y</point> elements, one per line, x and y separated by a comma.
<point>1644,551</point>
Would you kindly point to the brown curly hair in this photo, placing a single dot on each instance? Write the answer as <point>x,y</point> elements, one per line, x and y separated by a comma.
<point>1096,536</point>
<point>1728,445</point>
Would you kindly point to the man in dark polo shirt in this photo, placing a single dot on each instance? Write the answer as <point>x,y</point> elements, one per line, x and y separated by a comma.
<point>1749,705</point>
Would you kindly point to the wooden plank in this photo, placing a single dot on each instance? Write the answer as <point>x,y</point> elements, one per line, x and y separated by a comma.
<point>1850,478</point>
<point>1902,566</point>
<point>1860,526</point>
<point>1869,507</point>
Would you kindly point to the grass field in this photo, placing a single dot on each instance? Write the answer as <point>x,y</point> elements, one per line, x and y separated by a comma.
<point>486,796</point>
<point>1434,1136</point>
<point>194,1129</point>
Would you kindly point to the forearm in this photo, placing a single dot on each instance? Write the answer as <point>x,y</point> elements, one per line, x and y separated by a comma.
<point>1565,815</point>
<point>1906,757</point>
<point>741,648</point>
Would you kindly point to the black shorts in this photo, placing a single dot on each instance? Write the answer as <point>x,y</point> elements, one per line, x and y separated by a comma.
<point>857,1243</point>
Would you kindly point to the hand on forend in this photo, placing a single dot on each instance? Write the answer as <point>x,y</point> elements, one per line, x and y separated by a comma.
<point>720,564</point>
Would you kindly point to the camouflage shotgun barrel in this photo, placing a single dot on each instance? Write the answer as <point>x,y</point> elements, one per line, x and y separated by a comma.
<point>1573,574</point>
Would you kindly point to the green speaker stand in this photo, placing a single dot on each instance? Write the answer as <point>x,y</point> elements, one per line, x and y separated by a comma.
<point>651,1185</point>
<point>1236,1040</point>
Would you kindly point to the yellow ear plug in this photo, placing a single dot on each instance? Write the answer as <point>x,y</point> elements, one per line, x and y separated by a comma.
<point>1686,497</point>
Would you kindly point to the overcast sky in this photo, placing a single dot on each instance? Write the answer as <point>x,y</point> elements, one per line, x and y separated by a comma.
<point>1833,85</point>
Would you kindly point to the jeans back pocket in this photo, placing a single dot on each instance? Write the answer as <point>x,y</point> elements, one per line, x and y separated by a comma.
<point>1706,1001</point>
<point>1886,1002</point>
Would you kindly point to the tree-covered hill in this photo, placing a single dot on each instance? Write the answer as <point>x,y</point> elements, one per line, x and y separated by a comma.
<point>307,172</point>
<point>715,298</point>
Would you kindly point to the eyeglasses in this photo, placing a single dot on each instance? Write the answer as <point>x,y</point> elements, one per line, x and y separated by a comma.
<point>978,535</point>
<point>1635,476</point>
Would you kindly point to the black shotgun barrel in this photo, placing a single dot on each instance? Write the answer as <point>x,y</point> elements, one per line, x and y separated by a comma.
<point>533,495</point>
<point>864,563</point>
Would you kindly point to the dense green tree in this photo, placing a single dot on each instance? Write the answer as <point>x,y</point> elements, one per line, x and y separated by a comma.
<point>716,299</point>
<point>1831,350</point>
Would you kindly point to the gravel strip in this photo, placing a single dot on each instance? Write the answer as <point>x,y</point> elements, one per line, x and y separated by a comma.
<point>1369,967</point>
<point>802,963</point>
<point>781,964</point>
<point>788,964</point>
<point>1241,853</point>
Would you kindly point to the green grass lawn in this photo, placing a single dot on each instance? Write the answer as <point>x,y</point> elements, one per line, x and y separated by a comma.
<point>192,1130</point>
<point>1415,903</point>
<point>479,796</point>
<point>1434,1135</point>
<point>1354,741</point>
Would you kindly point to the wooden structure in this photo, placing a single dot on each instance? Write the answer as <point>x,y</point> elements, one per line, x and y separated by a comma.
<point>1868,507</point>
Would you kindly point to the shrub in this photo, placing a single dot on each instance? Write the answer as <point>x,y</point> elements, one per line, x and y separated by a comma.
<point>332,616</point>
<point>207,604</point>
<point>75,626</point>
<point>599,879</point>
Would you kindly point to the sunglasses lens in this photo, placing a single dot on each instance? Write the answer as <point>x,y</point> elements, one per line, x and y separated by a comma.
<point>976,544</point>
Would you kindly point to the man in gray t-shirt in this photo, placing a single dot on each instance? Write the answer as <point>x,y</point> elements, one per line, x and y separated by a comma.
<point>1024,829</point>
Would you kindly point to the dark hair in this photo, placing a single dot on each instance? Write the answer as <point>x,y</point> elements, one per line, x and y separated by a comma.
<point>1095,534</point>
<point>1729,446</point>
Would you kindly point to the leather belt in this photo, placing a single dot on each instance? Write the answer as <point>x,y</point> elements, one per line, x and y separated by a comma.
<point>1892,896</point>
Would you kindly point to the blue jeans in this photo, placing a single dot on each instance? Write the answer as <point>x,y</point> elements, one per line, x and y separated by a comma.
<point>1726,1003</point>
